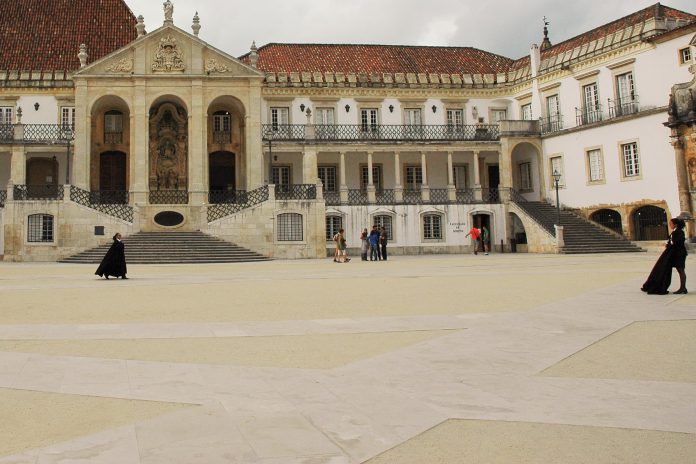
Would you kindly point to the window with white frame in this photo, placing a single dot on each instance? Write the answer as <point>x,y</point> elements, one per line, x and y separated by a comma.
<point>631,161</point>
<point>527,112</point>
<point>432,227</point>
<point>376,177</point>
<point>525,176</point>
<point>498,115</point>
<point>553,107</point>
<point>324,116</point>
<point>280,176</point>
<point>333,225</point>
<point>40,228</point>
<point>591,107</point>
<point>412,116</point>
<point>685,55</point>
<point>461,176</point>
<point>327,175</point>
<point>289,227</point>
<point>414,177</point>
<point>280,118</point>
<point>626,95</point>
<point>556,165</point>
<point>6,115</point>
<point>595,165</point>
<point>67,117</point>
<point>455,118</point>
<point>368,119</point>
<point>385,221</point>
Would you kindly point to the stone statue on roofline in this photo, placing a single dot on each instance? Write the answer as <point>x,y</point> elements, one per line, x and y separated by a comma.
<point>168,11</point>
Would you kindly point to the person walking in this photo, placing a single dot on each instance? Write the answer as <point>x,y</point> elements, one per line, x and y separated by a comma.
<point>342,248</point>
<point>475,234</point>
<point>486,239</point>
<point>364,244</point>
<point>114,262</point>
<point>674,256</point>
<point>383,243</point>
<point>374,244</point>
<point>337,248</point>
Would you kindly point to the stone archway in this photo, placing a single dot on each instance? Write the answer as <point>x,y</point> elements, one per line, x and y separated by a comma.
<point>110,133</point>
<point>526,170</point>
<point>608,218</point>
<point>168,146</point>
<point>650,223</point>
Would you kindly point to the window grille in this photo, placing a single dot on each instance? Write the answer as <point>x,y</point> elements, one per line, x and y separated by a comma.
<point>333,225</point>
<point>290,227</point>
<point>630,159</point>
<point>40,228</point>
<point>432,227</point>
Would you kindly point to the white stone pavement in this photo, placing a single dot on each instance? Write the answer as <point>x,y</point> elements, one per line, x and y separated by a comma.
<point>486,366</point>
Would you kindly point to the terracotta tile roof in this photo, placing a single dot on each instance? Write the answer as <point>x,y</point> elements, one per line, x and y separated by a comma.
<point>349,58</point>
<point>46,34</point>
<point>652,12</point>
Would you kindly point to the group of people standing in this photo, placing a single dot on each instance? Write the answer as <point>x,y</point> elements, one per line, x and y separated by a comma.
<point>481,239</point>
<point>374,243</point>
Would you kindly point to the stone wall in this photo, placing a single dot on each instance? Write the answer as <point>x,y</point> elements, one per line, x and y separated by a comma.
<point>538,239</point>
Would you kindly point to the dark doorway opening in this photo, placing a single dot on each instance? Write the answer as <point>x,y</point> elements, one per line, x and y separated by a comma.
<point>608,218</point>
<point>492,195</point>
<point>650,223</point>
<point>221,178</point>
<point>482,220</point>
<point>112,177</point>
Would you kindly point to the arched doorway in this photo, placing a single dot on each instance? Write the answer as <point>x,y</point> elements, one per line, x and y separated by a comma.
<point>42,177</point>
<point>221,176</point>
<point>517,232</point>
<point>227,134</point>
<point>481,220</point>
<point>112,177</point>
<point>650,223</point>
<point>608,218</point>
<point>525,165</point>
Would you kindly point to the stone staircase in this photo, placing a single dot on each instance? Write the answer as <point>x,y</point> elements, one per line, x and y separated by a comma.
<point>172,248</point>
<point>579,234</point>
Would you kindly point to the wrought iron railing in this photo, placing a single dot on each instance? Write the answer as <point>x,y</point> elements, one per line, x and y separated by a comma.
<point>38,192</point>
<point>3,198</point>
<point>296,192</point>
<point>589,115</point>
<point>385,197</point>
<point>222,137</point>
<point>623,106</point>
<point>107,202</point>
<point>249,199</point>
<point>113,138</point>
<point>551,124</point>
<point>490,195</point>
<point>357,197</point>
<point>226,196</point>
<point>332,198</point>
<point>6,132</point>
<point>517,198</point>
<point>465,196</point>
<point>359,132</point>
<point>439,196</point>
<point>412,197</point>
<point>47,133</point>
<point>169,197</point>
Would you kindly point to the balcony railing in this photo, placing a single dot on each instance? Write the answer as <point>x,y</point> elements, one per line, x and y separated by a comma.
<point>36,133</point>
<point>589,115</point>
<point>551,124</point>
<point>109,197</point>
<point>357,197</point>
<point>6,133</point>
<point>242,201</point>
<point>385,197</point>
<point>3,198</point>
<point>296,192</point>
<point>222,137</point>
<point>111,202</point>
<point>169,197</point>
<point>358,132</point>
<point>623,106</point>
<point>332,198</point>
<point>113,138</point>
<point>439,196</point>
<point>226,196</point>
<point>38,192</point>
<point>413,197</point>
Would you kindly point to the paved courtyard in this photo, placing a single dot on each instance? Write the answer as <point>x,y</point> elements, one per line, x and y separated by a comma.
<point>432,359</point>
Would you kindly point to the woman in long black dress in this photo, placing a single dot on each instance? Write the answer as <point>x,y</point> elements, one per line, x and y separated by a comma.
<point>674,256</point>
<point>114,262</point>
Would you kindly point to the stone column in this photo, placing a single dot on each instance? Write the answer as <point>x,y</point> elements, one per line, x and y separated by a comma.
<point>18,165</point>
<point>309,166</point>
<point>371,195</point>
<point>398,188</point>
<point>140,148</point>
<point>343,187</point>
<point>425,188</point>
<point>197,145</point>
<point>451,187</point>
<point>682,174</point>
<point>505,169</point>
<point>254,143</point>
<point>81,153</point>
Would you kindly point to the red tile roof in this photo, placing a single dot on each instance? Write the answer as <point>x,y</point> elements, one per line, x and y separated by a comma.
<point>276,57</point>
<point>46,34</point>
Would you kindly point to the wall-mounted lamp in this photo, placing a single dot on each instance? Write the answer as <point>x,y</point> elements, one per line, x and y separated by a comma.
<point>36,106</point>
<point>347,108</point>
<point>302,107</point>
<point>391,108</point>
<point>434,108</point>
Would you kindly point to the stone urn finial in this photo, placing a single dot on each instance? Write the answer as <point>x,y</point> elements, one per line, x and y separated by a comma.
<point>196,25</point>
<point>82,56</point>
<point>19,115</point>
<point>168,12</point>
<point>140,27</point>
<point>254,55</point>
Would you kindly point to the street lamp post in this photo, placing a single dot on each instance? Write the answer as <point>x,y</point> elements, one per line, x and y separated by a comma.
<point>556,180</point>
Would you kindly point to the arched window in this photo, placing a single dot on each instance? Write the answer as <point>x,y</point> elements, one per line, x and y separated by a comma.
<point>432,227</point>
<point>650,223</point>
<point>608,218</point>
<point>385,221</point>
<point>333,224</point>
<point>289,227</point>
<point>40,228</point>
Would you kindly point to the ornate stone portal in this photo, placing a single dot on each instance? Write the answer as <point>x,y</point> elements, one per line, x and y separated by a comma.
<point>168,148</point>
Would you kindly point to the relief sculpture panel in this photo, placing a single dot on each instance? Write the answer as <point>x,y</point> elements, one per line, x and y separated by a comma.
<point>168,148</point>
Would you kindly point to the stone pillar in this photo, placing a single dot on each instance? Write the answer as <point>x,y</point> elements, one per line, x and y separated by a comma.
<point>425,188</point>
<point>398,188</point>
<point>371,196</point>
<point>505,167</point>
<point>309,166</point>
<point>197,145</point>
<point>343,188</point>
<point>451,187</point>
<point>82,147</point>
<point>140,148</point>
<point>560,242</point>
<point>254,143</point>
<point>477,172</point>
<point>18,166</point>
<point>682,174</point>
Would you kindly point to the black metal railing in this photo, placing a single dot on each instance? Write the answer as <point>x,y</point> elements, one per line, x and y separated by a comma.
<point>332,198</point>
<point>529,208</point>
<point>222,137</point>
<point>359,132</point>
<point>385,197</point>
<point>439,196</point>
<point>3,198</point>
<point>551,124</point>
<point>47,133</point>
<point>107,202</point>
<point>412,197</point>
<point>38,192</point>
<point>6,132</point>
<point>296,192</point>
<point>113,138</point>
<point>589,115</point>
<point>357,197</point>
<point>226,196</point>
<point>465,196</point>
<point>247,200</point>
<point>623,106</point>
<point>490,195</point>
<point>169,197</point>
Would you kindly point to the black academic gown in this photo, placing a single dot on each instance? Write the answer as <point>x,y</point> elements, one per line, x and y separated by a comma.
<point>114,262</point>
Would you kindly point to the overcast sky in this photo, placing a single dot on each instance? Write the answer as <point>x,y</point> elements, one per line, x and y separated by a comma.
<point>506,27</point>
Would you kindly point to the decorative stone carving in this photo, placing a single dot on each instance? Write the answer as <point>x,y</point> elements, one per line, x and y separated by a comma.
<point>214,66</point>
<point>168,148</point>
<point>122,66</point>
<point>83,56</point>
<point>168,11</point>
<point>168,57</point>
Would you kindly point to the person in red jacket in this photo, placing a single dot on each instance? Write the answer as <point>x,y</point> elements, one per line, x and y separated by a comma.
<point>476,237</point>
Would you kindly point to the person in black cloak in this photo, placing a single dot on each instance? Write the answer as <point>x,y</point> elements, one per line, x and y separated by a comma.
<point>114,262</point>
<point>674,256</point>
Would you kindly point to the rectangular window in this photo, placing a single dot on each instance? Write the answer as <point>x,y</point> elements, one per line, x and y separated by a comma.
<point>376,177</point>
<point>6,115</point>
<point>386,222</point>
<point>412,117</point>
<point>557,167</point>
<point>280,176</point>
<point>333,225</point>
<point>631,161</point>
<point>461,176</point>
<point>280,118</point>
<point>67,117</point>
<point>527,112</point>
<point>324,116</point>
<point>594,163</point>
<point>498,115</point>
<point>455,118</point>
<point>222,123</point>
<point>685,55</point>
<point>40,228</point>
<point>553,107</point>
<point>432,227</point>
<point>368,120</point>
<point>414,177</point>
<point>327,175</point>
<point>525,176</point>
<point>290,227</point>
<point>591,109</point>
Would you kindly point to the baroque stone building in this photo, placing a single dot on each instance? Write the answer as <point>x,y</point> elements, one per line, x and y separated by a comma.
<point>119,129</point>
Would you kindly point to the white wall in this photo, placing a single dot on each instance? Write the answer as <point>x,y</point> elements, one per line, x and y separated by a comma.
<point>48,112</point>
